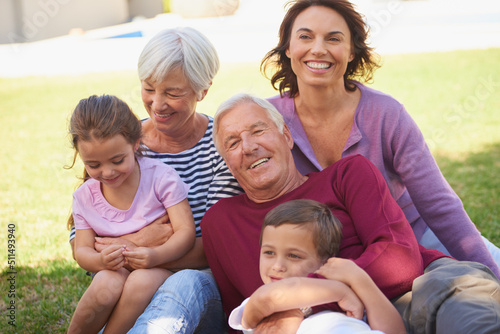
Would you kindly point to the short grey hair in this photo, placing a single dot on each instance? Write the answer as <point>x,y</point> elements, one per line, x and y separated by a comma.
<point>184,48</point>
<point>240,99</point>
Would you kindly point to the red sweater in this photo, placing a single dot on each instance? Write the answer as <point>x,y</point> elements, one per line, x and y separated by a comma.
<point>376,234</point>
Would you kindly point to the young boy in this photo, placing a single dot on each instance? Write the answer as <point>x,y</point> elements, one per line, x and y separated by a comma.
<point>297,238</point>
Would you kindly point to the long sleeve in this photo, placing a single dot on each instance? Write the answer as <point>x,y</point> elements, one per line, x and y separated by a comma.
<point>391,254</point>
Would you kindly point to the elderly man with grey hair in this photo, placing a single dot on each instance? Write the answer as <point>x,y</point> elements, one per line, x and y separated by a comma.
<point>433,292</point>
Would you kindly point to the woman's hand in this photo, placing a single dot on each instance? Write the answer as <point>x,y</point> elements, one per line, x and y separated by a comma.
<point>112,257</point>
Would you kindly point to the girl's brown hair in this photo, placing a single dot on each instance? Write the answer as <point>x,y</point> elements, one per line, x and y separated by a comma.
<point>363,65</point>
<point>98,118</point>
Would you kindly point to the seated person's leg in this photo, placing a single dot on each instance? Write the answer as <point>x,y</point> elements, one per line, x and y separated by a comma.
<point>97,303</point>
<point>180,303</point>
<point>139,288</point>
<point>456,297</point>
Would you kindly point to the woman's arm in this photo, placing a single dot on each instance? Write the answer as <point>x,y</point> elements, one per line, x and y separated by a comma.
<point>176,246</point>
<point>194,259</point>
<point>381,314</point>
<point>297,292</point>
<point>436,202</point>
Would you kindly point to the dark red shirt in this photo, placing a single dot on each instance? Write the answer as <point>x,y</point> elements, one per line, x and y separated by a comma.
<point>376,234</point>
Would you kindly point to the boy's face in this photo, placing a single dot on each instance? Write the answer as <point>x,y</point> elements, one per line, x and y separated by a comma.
<point>287,251</point>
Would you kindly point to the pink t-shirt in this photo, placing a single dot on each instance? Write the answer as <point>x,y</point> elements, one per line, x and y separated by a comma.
<point>159,188</point>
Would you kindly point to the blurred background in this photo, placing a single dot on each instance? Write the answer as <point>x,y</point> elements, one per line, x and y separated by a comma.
<point>47,37</point>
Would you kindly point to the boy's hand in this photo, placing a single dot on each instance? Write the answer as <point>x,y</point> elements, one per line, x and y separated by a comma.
<point>112,257</point>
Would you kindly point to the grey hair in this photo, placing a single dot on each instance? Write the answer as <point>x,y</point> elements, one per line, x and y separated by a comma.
<point>243,98</point>
<point>184,48</point>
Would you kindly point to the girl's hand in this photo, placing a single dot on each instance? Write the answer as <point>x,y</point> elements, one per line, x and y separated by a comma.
<point>139,258</point>
<point>112,257</point>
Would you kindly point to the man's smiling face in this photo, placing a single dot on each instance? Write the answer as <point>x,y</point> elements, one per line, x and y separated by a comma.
<point>255,150</point>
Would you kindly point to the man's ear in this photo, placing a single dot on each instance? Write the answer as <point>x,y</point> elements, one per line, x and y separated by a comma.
<point>288,136</point>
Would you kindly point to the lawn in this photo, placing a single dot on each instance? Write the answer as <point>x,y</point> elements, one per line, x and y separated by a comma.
<point>454,97</point>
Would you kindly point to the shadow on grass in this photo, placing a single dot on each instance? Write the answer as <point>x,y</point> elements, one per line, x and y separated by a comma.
<point>44,296</point>
<point>475,178</point>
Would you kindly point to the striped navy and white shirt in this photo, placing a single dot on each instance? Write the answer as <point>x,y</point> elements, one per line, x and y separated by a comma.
<point>204,170</point>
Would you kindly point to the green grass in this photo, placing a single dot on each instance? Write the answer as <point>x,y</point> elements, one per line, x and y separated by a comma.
<point>452,96</point>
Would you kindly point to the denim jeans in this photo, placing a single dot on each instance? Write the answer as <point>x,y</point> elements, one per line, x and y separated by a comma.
<point>188,302</point>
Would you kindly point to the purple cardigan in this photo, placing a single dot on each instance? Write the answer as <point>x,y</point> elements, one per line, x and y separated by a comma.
<point>385,133</point>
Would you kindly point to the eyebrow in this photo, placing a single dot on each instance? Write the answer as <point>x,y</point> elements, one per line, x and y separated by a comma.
<point>250,128</point>
<point>330,33</point>
<point>168,88</point>
<point>119,155</point>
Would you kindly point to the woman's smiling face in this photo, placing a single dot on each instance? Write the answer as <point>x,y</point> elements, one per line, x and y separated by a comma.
<point>169,103</point>
<point>320,47</point>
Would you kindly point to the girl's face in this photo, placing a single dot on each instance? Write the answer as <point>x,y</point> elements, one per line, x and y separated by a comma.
<point>170,103</point>
<point>287,251</point>
<point>320,47</point>
<point>110,161</point>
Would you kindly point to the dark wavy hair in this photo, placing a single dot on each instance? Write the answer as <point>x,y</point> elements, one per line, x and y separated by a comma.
<point>363,65</point>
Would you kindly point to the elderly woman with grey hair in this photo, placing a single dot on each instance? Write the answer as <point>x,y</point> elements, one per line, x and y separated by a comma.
<point>176,69</point>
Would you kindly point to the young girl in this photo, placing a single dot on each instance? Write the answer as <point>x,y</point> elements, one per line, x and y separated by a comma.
<point>122,192</point>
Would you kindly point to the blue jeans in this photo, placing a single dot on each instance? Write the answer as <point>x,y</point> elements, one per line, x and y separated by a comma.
<point>188,302</point>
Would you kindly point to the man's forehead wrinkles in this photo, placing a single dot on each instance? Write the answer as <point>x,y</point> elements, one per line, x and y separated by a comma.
<point>233,130</point>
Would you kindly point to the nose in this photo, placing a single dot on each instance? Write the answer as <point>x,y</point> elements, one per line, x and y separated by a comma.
<point>158,102</point>
<point>318,48</point>
<point>248,144</point>
<point>279,266</point>
<point>108,171</point>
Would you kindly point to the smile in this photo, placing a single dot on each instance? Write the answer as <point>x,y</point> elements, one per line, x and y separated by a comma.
<point>259,162</point>
<point>318,65</point>
<point>113,180</point>
<point>162,115</point>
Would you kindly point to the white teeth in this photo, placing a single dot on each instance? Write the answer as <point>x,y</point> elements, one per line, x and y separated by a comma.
<point>318,65</point>
<point>163,116</point>
<point>259,162</point>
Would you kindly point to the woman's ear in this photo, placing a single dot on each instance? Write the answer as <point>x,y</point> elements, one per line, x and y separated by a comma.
<point>203,93</point>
